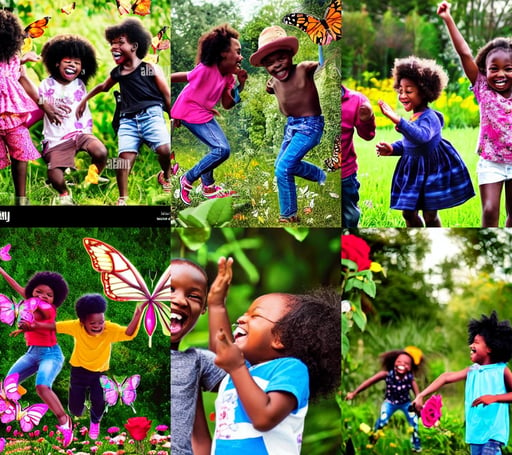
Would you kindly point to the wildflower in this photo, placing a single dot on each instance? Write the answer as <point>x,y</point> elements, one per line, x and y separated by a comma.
<point>161,429</point>
<point>113,431</point>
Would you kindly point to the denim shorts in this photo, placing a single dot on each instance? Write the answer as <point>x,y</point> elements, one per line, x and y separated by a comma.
<point>491,172</point>
<point>44,362</point>
<point>148,126</point>
<point>491,447</point>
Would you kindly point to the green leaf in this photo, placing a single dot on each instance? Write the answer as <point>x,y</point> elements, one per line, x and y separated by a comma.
<point>299,233</point>
<point>210,213</point>
<point>360,320</point>
<point>194,238</point>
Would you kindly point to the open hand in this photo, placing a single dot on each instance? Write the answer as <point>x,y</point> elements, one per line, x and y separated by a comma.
<point>384,149</point>
<point>219,288</point>
<point>229,356</point>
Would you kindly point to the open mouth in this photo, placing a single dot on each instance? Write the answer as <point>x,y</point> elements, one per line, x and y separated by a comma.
<point>177,322</point>
<point>500,83</point>
<point>239,333</point>
<point>400,369</point>
<point>116,55</point>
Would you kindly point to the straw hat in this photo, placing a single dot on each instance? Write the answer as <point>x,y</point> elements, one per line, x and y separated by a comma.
<point>273,39</point>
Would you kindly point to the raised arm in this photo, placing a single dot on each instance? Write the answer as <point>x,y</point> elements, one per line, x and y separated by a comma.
<point>13,283</point>
<point>365,384</point>
<point>135,322</point>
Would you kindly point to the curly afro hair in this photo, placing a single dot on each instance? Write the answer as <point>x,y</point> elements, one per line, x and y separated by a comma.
<point>55,281</point>
<point>69,46</point>
<point>311,332</point>
<point>11,35</point>
<point>211,44</point>
<point>430,78</point>
<point>90,304</point>
<point>388,359</point>
<point>500,43</point>
<point>497,336</point>
<point>134,32</point>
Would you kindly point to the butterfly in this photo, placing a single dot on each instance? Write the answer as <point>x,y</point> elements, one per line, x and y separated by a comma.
<point>158,43</point>
<point>36,29</point>
<point>9,390</point>
<point>10,311</point>
<point>125,390</point>
<point>68,9</point>
<point>122,282</point>
<point>4,253</point>
<point>28,417</point>
<point>333,163</point>
<point>321,31</point>
<point>140,7</point>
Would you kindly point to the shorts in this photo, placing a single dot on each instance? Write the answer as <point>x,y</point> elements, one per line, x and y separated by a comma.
<point>45,362</point>
<point>63,155</point>
<point>491,172</point>
<point>148,126</point>
<point>17,143</point>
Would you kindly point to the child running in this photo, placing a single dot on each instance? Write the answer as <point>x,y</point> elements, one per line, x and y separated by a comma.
<point>297,95</point>
<point>91,352</point>
<point>145,94</point>
<point>16,106</point>
<point>398,369</point>
<point>285,350</point>
<point>430,175</point>
<point>71,62</point>
<point>212,80</point>
<point>489,74</point>
<point>44,357</point>
<point>487,381</point>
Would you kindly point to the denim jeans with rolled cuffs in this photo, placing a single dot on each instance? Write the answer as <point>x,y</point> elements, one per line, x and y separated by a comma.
<point>301,134</point>
<point>212,135</point>
<point>388,409</point>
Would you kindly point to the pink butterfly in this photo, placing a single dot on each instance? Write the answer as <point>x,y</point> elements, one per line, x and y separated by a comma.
<point>28,417</point>
<point>122,282</point>
<point>4,253</point>
<point>125,390</point>
<point>10,311</point>
<point>9,389</point>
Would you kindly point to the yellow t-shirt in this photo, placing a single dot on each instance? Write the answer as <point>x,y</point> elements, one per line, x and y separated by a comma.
<point>92,352</point>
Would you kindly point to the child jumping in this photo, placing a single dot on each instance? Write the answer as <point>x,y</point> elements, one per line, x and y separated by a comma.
<point>295,90</point>
<point>16,106</point>
<point>488,74</point>
<point>398,369</point>
<point>430,175</point>
<point>91,352</point>
<point>487,381</point>
<point>145,94</point>
<point>212,80</point>
<point>71,62</point>
<point>44,357</point>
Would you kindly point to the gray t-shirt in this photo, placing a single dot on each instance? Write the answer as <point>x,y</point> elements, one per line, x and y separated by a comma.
<point>191,371</point>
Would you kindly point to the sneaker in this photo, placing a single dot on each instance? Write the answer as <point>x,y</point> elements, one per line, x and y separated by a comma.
<point>215,191</point>
<point>122,201</point>
<point>22,200</point>
<point>94,430</point>
<point>66,432</point>
<point>289,219</point>
<point>166,185</point>
<point>66,199</point>
<point>185,188</point>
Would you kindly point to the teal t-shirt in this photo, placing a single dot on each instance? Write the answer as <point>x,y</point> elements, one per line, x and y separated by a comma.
<point>484,423</point>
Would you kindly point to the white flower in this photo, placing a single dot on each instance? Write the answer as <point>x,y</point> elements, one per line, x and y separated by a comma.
<point>345,306</point>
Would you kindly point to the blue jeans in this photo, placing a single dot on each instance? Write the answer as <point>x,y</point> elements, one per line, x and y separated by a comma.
<point>350,212</point>
<point>45,362</point>
<point>491,447</point>
<point>301,134</point>
<point>212,135</point>
<point>388,409</point>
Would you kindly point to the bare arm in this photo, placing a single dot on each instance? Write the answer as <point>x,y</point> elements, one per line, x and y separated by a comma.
<point>13,283</point>
<point>179,77</point>
<point>134,323</point>
<point>415,388</point>
<point>201,438</point>
<point>163,87</point>
<point>365,384</point>
<point>501,398</point>
<point>459,43</point>
<point>103,87</point>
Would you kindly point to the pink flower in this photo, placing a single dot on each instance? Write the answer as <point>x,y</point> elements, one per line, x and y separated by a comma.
<point>431,412</point>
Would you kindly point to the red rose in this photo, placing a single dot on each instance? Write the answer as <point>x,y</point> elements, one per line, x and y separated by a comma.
<point>356,250</point>
<point>138,427</point>
<point>431,411</point>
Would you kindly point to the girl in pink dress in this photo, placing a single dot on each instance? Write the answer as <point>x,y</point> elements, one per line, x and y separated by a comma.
<point>16,147</point>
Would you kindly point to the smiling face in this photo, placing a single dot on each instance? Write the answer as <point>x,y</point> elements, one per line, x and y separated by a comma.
<point>403,364</point>
<point>122,50</point>
<point>498,65</point>
<point>188,299</point>
<point>43,292</point>
<point>410,97</point>
<point>479,351</point>
<point>232,58</point>
<point>69,69</point>
<point>94,324</point>
<point>253,334</point>
<point>279,64</point>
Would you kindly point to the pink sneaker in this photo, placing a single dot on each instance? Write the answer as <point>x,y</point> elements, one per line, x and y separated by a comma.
<point>67,433</point>
<point>185,189</point>
<point>166,185</point>
<point>94,430</point>
<point>214,191</point>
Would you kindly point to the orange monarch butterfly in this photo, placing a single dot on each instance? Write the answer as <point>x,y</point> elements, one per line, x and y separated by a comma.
<point>140,7</point>
<point>321,31</point>
<point>333,163</point>
<point>158,43</point>
<point>36,29</point>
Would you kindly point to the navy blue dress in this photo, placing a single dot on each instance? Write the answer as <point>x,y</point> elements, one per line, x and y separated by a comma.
<point>430,174</point>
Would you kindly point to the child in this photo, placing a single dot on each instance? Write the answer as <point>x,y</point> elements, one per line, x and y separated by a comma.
<point>15,107</point>
<point>144,94</point>
<point>487,426</point>
<point>192,370</point>
<point>398,369</point>
<point>91,353</point>
<point>212,80</point>
<point>295,90</point>
<point>44,356</point>
<point>488,74</point>
<point>286,349</point>
<point>430,175</point>
<point>71,61</point>
<point>357,116</point>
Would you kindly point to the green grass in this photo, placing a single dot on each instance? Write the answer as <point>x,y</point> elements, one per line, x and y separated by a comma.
<point>375,174</point>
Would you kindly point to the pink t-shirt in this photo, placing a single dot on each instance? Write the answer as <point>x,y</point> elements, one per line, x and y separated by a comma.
<point>495,141</point>
<point>204,90</point>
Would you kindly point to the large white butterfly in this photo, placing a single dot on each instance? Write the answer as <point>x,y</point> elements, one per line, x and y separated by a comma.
<point>122,282</point>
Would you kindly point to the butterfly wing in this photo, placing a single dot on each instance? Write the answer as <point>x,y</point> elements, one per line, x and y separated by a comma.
<point>36,28</point>
<point>26,310</point>
<point>110,390</point>
<point>123,6</point>
<point>142,7</point>
<point>128,389</point>
<point>158,43</point>
<point>7,310</point>
<point>4,253</point>
<point>31,416</point>
<point>157,310</point>
<point>309,24</point>
<point>10,387</point>
<point>10,412</point>
<point>68,9</point>
<point>333,19</point>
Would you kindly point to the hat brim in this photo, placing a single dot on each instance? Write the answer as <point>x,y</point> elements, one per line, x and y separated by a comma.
<point>290,43</point>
